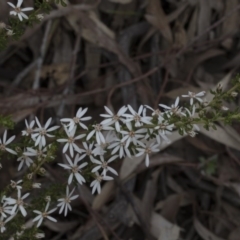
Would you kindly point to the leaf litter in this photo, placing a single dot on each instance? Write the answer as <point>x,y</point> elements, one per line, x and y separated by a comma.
<point>114,43</point>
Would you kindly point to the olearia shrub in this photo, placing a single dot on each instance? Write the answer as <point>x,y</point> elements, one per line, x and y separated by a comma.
<point>89,149</point>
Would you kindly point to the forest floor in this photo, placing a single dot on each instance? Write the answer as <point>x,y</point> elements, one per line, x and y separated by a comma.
<point>135,52</point>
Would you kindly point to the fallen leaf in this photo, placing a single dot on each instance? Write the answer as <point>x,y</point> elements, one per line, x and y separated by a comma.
<point>4,10</point>
<point>129,165</point>
<point>232,212</point>
<point>192,29</point>
<point>222,136</point>
<point>160,228</point>
<point>170,207</point>
<point>204,232</point>
<point>59,73</point>
<point>163,229</point>
<point>149,197</point>
<point>230,25</point>
<point>61,226</point>
<point>18,116</point>
<point>158,160</point>
<point>184,197</point>
<point>204,18</point>
<point>62,47</point>
<point>181,91</point>
<point>198,143</point>
<point>106,193</point>
<point>175,136</point>
<point>171,17</point>
<point>93,58</point>
<point>234,235</point>
<point>93,16</point>
<point>180,36</point>
<point>156,16</point>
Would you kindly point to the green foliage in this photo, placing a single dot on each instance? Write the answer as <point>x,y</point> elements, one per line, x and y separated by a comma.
<point>209,165</point>
<point>6,122</point>
<point>62,2</point>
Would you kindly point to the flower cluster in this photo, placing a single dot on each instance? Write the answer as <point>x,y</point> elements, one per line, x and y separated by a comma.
<point>90,150</point>
<point>22,16</point>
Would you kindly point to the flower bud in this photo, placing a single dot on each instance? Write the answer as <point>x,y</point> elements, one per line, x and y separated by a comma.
<point>234,94</point>
<point>18,149</point>
<point>48,198</point>
<point>2,25</point>
<point>15,184</point>
<point>39,235</point>
<point>29,176</point>
<point>192,133</point>
<point>42,171</point>
<point>156,112</point>
<point>224,108</point>
<point>40,17</point>
<point>219,87</point>
<point>23,227</point>
<point>34,165</point>
<point>10,32</point>
<point>205,103</point>
<point>36,185</point>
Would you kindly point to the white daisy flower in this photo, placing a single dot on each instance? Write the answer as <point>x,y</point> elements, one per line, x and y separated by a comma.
<point>18,203</point>
<point>15,184</point>
<point>39,153</point>
<point>196,96</point>
<point>65,202</point>
<point>5,209</point>
<point>191,115</point>
<point>40,17</point>
<point>155,112</point>
<point>75,169</point>
<point>96,184</point>
<point>24,159</point>
<point>112,118</point>
<point>19,11</point>
<point>45,214</point>
<point>174,109</point>
<point>10,32</point>
<point>42,132</point>
<point>70,141</point>
<point>29,128</point>
<point>98,128</point>
<point>104,165</point>
<point>87,151</point>
<point>163,129</point>
<point>5,142</point>
<point>120,147</point>
<point>132,135</point>
<point>36,185</point>
<point>100,148</point>
<point>147,149</point>
<point>77,119</point>
<point>40,235</point>
<point>3,223</point>
<point>136,117</point>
